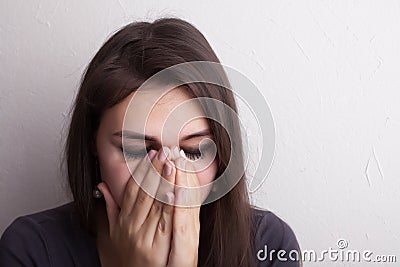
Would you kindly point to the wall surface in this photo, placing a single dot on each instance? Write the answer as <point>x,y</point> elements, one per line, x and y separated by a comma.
<point>329,70</point>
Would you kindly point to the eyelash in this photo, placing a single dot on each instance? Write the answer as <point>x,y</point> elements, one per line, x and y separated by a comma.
<point>193,154</point>
<point>190,154</point>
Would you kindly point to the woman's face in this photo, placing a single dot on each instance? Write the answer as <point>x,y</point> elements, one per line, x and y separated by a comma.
<point>113,167</point>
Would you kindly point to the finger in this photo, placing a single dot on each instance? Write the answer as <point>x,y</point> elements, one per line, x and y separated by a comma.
<point>186,212</point>
<point>159,222</point>
<point>180,181</point>
<point>132,186</point>
<point>183,190</point>
<point>167,184</point>
<point>148,188</point>
<point>163,232</point>
<point>193,185</point>
<point>111,205</point>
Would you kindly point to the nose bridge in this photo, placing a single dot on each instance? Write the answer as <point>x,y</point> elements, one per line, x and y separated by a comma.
<point>168,138</point>
<point>173,152</point>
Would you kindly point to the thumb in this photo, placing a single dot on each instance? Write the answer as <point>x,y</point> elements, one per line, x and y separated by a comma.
<point>111,206</point>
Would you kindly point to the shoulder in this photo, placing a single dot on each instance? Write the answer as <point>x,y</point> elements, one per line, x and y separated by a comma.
<point>41,238</point>
<point>275,241</point>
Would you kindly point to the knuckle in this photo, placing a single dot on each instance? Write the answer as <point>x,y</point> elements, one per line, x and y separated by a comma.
<point>127,227</point>
<point>138,244</point>
<point>168,210</point>
<point>148,258</point>
<point>121,221</point>
<point>130,231</point>
<point>162,225</point>
<point>142,197</point>
<point>181,229</point>
<point>156,207</point>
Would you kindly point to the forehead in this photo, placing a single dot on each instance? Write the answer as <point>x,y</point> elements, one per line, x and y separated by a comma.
<point>170,113</point>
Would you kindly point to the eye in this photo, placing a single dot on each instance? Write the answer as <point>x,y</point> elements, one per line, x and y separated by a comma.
<point>193,154</point>
<point>131,154</point>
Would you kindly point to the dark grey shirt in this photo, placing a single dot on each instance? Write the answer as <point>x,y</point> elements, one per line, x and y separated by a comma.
<point>53,238</point>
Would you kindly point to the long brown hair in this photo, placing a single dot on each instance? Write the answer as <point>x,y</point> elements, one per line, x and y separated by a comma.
<point>127,59</point>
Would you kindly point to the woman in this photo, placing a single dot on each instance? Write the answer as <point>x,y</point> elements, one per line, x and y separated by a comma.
<point>112,221</point>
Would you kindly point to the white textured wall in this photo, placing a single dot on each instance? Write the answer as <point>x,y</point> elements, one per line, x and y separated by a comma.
<point>329,70</point>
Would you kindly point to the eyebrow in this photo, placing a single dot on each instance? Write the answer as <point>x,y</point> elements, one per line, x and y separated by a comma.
<point>135,135</point>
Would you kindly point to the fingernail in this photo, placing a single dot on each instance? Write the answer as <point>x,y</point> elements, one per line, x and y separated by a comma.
<point>167,170</point>
<point>176,152</point>
<point>182,154</point>
<point>163,153</point>
<point>151,154</point>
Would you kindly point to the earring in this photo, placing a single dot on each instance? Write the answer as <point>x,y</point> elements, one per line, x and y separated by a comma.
<point>96,192</point>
